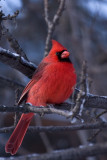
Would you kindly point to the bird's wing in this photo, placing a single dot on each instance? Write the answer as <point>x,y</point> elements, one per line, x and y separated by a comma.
<point>36,77</point>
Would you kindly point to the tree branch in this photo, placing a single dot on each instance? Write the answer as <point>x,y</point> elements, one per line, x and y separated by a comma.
<point>53,129</point>
<point>43,110</point>
<point>51,24</point>
<point>15,45</point>
<point>17,62</point>
<point>9,17</point>
<point>69,154</point>
<point>82,94</point>
<point>28,108</point>
<point>96,101</point>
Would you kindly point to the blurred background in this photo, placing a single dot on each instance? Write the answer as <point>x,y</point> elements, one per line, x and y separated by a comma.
<point>82,29</point>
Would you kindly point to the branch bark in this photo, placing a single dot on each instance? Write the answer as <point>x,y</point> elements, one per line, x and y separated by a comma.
<point>40,110</point>
<point>69,154</point>
<point>51,24</point>
<point>92,101</point>
<point>15,45</point>
<point>17,62</point>
<point>53,129</point>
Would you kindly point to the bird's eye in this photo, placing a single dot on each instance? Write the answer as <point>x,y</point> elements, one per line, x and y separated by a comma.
<point>57,53</point>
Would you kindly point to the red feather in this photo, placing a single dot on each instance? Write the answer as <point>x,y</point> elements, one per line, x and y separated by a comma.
<point>37,75</point>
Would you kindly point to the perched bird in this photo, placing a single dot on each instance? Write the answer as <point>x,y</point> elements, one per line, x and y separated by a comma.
<point>53,82</point>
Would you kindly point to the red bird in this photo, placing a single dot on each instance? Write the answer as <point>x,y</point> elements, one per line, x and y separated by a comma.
<point>53,82</point>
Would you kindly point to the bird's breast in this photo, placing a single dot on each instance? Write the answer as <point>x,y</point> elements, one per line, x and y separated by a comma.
<point>60,82</point>
<point>55,85</point>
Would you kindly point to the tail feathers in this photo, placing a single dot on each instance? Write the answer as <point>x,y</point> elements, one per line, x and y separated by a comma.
<point>18,134</point>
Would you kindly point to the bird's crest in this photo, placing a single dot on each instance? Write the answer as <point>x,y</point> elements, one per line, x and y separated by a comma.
<point>56,46</point>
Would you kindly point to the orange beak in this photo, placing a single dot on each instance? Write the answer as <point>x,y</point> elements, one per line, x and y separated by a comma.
<point>65,54</point>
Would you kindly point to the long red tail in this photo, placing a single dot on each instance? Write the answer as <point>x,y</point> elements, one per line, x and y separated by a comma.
<point>18,134</point>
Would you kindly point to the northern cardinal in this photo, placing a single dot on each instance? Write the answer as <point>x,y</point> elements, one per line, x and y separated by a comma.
<point>53,82</point>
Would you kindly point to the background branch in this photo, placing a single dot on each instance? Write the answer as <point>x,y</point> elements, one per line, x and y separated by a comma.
<point>53,129</point>
<point>51,24</point>
<point>10,83</point>
<point>69,154</point>
<point>28,108</point>
<point>15,45</point>
<point>17,62</point>
<point>9,17</point>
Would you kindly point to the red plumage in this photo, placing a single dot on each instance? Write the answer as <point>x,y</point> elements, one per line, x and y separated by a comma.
<point>53,82</point>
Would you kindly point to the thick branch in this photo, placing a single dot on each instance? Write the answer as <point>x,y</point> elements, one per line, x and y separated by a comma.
<point>95,101</point>
<point>102,101</point>
<point>69,154</point>
<point>17,62</point>
<point>41,110</point>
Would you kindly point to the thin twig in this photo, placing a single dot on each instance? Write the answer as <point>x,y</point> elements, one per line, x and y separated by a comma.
<point>99,115</point>
<point>13,42</point>
<point>80,100</point>
<point>76,108</point>
<point>15,45</point>
<point>10,17</point>
<point>46,11</point>
<point>51,24</point>
<point>94,135</point>
<point>53,129</point>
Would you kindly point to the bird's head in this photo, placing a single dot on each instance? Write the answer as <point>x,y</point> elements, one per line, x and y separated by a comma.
<point>59,52</point>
